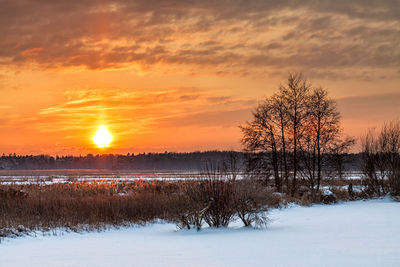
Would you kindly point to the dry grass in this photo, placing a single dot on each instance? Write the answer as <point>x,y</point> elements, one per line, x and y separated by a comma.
<point>80,206</point>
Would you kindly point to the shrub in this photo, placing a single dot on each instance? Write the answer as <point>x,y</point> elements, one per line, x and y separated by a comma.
<point>217,202</point>
<point>252,201</point>
<point>188,206</point>
<point>220,196</point>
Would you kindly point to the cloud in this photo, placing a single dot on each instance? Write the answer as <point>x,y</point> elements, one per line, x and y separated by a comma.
<point>132,113</point>
<point>216,37</point>
<point>369,111</point>
<point>221,118</point>
<point>377,107</point>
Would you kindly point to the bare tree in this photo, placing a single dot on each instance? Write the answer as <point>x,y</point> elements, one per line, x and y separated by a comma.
<point>390,143</point>
<point>369,163</point>
<point>277,122</point>
<point>298,126</point>
<point>381,159</point>
<point>295,93</point>
<point>279,110</point>
<point>321,134</point>
<point>338,154</point>
<point>260,135</point>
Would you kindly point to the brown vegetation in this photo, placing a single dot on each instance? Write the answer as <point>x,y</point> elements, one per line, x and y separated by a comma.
<point>95,205</point>
<point>79,205</point>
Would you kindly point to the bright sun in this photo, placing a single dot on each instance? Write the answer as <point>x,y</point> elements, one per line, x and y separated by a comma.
<point>102,137</point>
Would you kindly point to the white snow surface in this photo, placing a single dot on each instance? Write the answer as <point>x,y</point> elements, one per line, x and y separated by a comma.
<point>361,233</point>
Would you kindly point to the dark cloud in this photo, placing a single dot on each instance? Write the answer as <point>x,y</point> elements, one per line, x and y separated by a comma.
<point>221,37</point>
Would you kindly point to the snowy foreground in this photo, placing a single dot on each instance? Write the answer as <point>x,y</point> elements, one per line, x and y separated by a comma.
<point>362,233</point>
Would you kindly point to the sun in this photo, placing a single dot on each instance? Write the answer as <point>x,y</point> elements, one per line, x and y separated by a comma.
<point>102,138</point>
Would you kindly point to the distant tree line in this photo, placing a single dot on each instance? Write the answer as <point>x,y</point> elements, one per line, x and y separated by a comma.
<point>142,161</point>
<point>168,161</point>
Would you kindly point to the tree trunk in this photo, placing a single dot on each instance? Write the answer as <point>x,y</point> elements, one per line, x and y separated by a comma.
<point>284,155</point>
<point>294,153</point>
<point>276,168</point>
<point>318,153</point>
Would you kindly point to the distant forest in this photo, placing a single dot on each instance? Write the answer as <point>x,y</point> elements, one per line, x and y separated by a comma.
<point>167,161</point>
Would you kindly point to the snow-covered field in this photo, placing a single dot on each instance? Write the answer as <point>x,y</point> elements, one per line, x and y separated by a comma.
<point>76,175</point>
<point>362,233</point>
<point>65,176</point>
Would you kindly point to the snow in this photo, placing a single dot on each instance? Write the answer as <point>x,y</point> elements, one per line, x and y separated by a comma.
<point>74,175</point>
<point>356,188</point>
<point>327,192</point>
<point>361,233</point>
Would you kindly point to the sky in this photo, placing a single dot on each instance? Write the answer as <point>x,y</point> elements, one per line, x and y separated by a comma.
<point>182,75</point>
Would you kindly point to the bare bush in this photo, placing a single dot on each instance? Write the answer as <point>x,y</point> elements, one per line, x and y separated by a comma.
<point>217,202</point>
<point>220,194</point>
<point>252,202</point>
<point>189,206</point>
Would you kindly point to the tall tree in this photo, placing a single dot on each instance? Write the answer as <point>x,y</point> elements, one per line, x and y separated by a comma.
<point>381,159</point>
<point>297,126</point>
<point>323,119</point>
<point>295,93</point>
<point>280,114</point>
<point>260,135</point>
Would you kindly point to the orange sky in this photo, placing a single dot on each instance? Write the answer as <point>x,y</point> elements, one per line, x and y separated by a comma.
<point>182,75</point>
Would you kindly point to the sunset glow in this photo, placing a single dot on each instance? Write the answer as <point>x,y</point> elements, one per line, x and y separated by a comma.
<point>102,137</point>
<point>182,76</point>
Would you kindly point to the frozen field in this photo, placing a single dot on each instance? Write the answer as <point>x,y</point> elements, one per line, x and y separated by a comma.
<point>89,175</point>
<point>82,175</point>
<point>362,233</point>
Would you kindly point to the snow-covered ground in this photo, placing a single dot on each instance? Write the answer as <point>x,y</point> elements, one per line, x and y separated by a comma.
<point>362,233</point>
<point>66,176</point>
